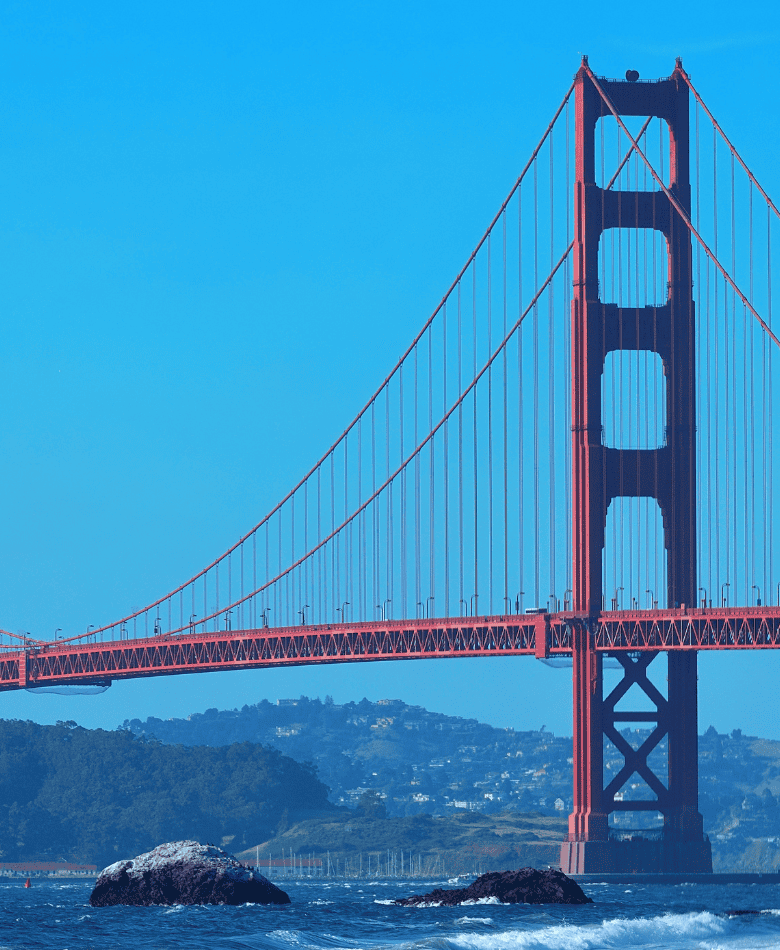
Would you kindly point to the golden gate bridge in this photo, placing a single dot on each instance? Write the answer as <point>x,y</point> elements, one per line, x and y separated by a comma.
<point>573,458</point>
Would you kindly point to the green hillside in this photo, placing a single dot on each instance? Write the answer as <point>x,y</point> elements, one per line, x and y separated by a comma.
<point>92,796</point>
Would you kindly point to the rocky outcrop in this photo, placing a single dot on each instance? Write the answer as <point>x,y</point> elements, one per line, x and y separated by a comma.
<point>525,886</point>
<point>183,872</point>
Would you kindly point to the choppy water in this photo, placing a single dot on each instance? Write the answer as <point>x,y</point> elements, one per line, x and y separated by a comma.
<point>357,916</point>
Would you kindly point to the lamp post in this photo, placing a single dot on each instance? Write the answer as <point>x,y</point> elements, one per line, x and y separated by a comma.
<point>723,592</point>
<point>58,630</point>
<point>756,588</point>
<point>473,605</point>
<point>615,598</point>
<point>429,605</point>
<point>341,609</point>
<point>466,604</point>
<point>519,601</point>
<point>704,601</point>
<point>228,622</point>
<point>302,612</point>
<point>264,614</point>
<point>90,627</point>
<point>566,597</point>
<point>192,623</point>
<point>652,599</point>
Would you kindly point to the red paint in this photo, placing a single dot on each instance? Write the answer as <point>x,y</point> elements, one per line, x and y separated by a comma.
<point>601,474</point>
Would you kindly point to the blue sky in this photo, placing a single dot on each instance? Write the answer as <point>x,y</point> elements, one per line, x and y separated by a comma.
<point>221,224</point>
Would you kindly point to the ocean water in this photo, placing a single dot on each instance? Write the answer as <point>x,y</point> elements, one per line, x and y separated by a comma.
<point>359,916</point>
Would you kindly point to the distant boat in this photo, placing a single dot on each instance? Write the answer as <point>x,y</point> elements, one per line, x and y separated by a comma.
<point>27,883</point>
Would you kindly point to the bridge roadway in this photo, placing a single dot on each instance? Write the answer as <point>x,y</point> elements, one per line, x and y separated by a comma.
<point>542,635</point>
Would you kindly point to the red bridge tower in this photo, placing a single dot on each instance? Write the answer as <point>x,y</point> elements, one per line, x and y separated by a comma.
<point>600,474</point>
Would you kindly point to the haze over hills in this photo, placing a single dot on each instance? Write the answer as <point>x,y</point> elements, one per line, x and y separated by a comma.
<point>448,793</point>
<point>422,762</point>
<point>419,761</point>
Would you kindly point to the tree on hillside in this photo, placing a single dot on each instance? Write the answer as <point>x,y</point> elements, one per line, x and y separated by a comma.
<point>370,805</point>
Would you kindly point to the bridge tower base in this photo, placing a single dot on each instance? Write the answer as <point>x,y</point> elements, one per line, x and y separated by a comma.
<point>637,855</point>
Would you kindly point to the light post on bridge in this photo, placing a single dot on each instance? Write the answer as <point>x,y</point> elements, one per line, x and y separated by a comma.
<point>466,604</point>
<point>704,601</point>
<point>192,623</point>
<point>566,598</point>
<point>473,605</point>
<point>302,612</point>
<point>653,601</point>
<point>264,614</point>
<point>341,610</point>
<point>519,601</point>
<point>429,606</point>
<point>756,588</point>
<point>723,592</point>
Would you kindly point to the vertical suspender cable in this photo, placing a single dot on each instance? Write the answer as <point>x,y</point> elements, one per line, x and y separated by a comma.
<point>717,364</point>
<point>403,513</point>
<point>536,387</point>
<point>460,452</point>
<point>474,444</point>
<point>446,611</point>
<point>389,555</point>
<point>768,426</point>
<point>551,385</point>
<point>417,589</point>
<point>520,445</point>
<point>432,476</point>
<point>489,609</point>
<point>506,476</point>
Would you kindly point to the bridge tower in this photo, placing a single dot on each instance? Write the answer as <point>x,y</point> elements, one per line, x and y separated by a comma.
<point>666,473</point>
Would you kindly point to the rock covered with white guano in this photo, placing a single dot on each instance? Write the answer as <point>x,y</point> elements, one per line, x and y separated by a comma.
<point>183,872</point>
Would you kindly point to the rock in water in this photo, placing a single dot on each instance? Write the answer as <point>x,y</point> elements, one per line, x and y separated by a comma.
<point>183,872</point>
<point>525,886</point>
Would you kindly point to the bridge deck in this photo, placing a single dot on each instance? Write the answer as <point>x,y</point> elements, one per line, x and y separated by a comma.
<point>540,635</point>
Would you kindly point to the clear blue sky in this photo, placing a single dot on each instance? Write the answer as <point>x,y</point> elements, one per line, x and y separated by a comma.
<point>220,224</point>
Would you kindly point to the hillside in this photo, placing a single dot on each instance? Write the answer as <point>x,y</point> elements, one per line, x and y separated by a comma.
<point>458,844</point>
<point>92,796</point>
<point>424,763</point>
<point>419,761</point>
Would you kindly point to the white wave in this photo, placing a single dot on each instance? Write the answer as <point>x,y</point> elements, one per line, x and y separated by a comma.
<point>691,931</point>
<point>480,900</point>
<point>695,930</point>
